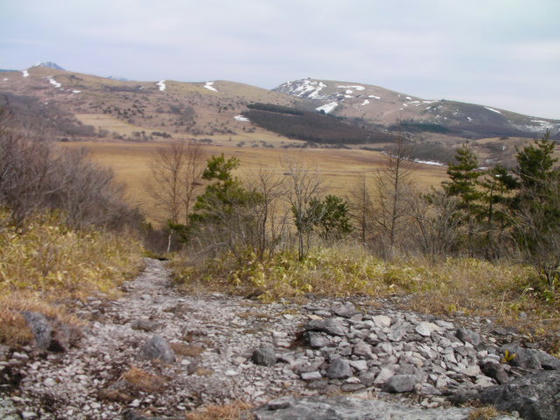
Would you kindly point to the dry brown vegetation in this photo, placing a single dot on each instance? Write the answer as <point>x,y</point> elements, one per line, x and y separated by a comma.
<point>340,170</point>
<point>234,411</point>
<point>140,380</point>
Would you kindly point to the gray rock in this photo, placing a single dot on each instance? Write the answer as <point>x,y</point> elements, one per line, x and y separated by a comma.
<point>331,326</point>
<point>384,375</point>
<point>400,383</point>
<point>144,325</point>
<point>426,329</point>
<point>468,336</point>
<point>316,339</point>
<point>382,321</point>
<point>8,411</point>
<point>311,376</point>
<point>397,333</point>
<point>264,356</point>
<point>495,371</point>
<point>157,348</point>
<point>384,348</point>
<point>339,408</point>
<point>359,365</point>
<point>346,310</point>
<point>534,397</point>
<point>339,369</point>
<point>530,358</point>
<point>41,328</point>
<point>362,349</point>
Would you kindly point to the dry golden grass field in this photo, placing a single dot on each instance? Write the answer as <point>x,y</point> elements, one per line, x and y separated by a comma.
<point>339,170</point>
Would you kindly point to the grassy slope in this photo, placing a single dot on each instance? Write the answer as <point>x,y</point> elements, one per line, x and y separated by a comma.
<point>49,264</point>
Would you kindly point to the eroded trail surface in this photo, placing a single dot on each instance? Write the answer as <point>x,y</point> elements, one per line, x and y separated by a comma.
<point>157,352</point>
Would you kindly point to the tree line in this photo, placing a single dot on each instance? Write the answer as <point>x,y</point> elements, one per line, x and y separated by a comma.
<point>482,213</point>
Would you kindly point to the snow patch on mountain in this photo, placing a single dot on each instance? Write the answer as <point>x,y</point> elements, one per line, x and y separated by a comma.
<point>365,102</point>
<point>327,108</point>
<point>5,79</point>
<point>355,87</point>
<point>374,97</point>
<point>428,162</point>
<point>25,73</point>
<point>492,109</point>
<point>54,83</point>
<point>76,91</point>
<point>241,118</point>
<point>210,86</point>
<point>161,85</point>
<point>305,88</point>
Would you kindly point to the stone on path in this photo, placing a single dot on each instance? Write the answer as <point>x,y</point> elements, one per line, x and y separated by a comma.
<point>264,356</point>
<point>158,348</point>
<point>339,369</point>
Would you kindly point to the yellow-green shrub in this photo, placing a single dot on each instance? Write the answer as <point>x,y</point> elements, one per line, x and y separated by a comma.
<point>47,262</point>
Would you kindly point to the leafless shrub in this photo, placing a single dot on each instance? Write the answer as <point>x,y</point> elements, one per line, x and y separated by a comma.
<point>36,175</point>
<point>305,185</point>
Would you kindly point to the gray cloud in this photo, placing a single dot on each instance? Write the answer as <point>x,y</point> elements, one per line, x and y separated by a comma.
<point>504,53</point>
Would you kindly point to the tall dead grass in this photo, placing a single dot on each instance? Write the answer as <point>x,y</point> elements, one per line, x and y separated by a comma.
<point>49,264</point>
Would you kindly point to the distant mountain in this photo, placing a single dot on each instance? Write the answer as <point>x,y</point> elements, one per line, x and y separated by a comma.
<point>296,114</point>
<point>401,111</point>
<point>49,65</point>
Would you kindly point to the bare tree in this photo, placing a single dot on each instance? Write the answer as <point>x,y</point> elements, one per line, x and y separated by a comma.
<point>271,220</point>
<point>361,209</point>
<point>176,177</point>
<point>393,185</point>
<point>437,222</point>
<point>304,186</point>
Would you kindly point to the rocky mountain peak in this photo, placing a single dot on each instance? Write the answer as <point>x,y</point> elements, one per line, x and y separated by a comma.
<point>49,65</point>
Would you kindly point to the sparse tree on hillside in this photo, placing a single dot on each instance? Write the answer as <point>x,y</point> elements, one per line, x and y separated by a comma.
<point>496,186</point>
<point>176,176</point>
<point>224,215</point>
<point>305,185</point>
<point>394,186</point>
<point>437,222</point>
<point>271,222</point>
<point>536,210</point>
<point>361,209</point>
<point>463,184</point>
<point>331,217</point>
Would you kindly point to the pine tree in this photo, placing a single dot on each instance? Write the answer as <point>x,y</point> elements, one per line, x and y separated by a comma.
<point>464,174</point>
<point>537,208</point>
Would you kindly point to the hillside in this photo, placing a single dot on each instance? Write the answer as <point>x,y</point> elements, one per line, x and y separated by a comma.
<point>411,113</point>
<point>140,111</point>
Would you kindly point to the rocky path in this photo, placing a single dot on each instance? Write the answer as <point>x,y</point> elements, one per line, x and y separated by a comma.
<point>155,352</point>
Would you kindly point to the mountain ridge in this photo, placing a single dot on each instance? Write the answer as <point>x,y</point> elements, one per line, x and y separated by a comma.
<point>378,105</point>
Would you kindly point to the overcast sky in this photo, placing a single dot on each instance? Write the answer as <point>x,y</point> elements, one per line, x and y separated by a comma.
<point>502,53</point>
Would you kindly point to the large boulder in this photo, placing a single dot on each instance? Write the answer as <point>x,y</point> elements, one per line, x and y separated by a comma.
<point>339,408</point>
<point>534,397</point>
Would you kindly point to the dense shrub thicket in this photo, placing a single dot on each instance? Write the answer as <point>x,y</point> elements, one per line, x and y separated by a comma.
<point>313,126</point>
<point>30,116</point>
<point>37,175</point>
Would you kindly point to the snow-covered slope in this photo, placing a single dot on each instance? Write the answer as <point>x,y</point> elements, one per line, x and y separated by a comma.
<point>383,106</point>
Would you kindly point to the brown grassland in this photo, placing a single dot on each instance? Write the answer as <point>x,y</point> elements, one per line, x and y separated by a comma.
<point>339,169</point>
